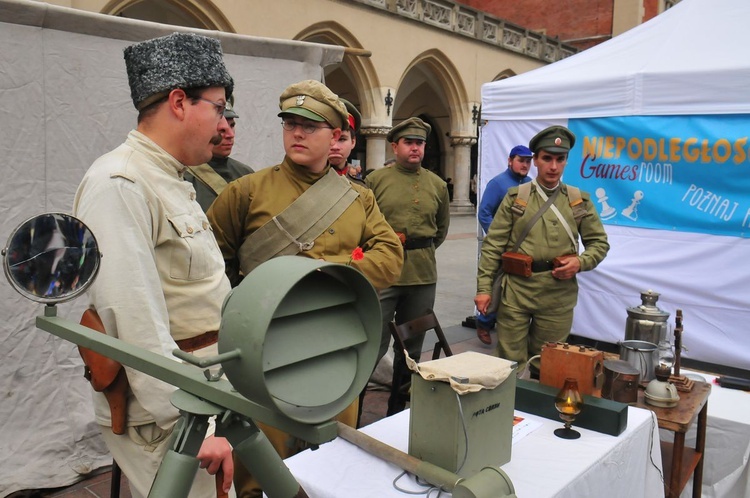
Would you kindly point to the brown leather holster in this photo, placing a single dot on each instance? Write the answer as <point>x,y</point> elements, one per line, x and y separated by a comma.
<point>106,375</point>
<point>517,264</point>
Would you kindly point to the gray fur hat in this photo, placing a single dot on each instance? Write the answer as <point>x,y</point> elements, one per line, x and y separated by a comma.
<point>180,60</point>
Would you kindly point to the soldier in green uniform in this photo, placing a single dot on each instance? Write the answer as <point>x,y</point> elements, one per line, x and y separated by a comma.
<point>303,207</point>
<point>538,307</point>
<point>415,202</point>
<point>343,147</point>
<point>210,178</point>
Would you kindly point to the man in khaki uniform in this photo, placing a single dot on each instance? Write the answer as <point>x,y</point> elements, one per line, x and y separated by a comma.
<point>415,202</point>
<point>343,147</point>
<point>256,217</point>
<point>162,283</point>
<point>538,308</point>
<point>209,179</point>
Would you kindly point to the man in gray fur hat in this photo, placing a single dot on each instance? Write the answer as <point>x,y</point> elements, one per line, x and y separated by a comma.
<point>162,282</point>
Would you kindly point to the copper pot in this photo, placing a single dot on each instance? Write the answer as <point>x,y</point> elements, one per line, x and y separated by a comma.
<point>620,381</point>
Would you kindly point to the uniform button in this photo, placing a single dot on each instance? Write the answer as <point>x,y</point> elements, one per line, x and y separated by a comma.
<point>205,225</point>
<point>331,231</point>
<point>276,168</point>
<point>192,196</point>
<point>190,230</point>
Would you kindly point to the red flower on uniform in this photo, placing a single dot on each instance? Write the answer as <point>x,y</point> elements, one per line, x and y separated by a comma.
<point>357,255</point>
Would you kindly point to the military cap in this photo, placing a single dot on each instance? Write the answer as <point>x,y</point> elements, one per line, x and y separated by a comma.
<point>229,111</point>
<point>354,115</point>
<point>313,100</point>
<point>180,60</point>
<point>413,128</point>
<point>556,139</point>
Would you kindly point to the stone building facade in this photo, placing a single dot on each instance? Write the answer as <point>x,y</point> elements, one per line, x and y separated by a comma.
<point>425,58</point>
<point>580,23</point>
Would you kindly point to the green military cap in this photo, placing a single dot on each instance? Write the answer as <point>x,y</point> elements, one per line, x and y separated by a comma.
<point>313,100</point>
<point>553,139</point>
<point>355,118</point>
<point>229,111</point>
<point>411,128</point>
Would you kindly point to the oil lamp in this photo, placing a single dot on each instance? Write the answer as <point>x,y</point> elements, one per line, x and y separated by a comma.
<point>569,403</point>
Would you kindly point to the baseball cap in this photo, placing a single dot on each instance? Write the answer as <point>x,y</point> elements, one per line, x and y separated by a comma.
<point>520,150</point>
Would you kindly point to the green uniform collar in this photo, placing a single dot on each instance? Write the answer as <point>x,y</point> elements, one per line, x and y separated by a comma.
<point>406,170</point>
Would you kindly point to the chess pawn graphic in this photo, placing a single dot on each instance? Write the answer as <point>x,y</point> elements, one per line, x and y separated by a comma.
<point>632,210</point>
<point>607,210</point>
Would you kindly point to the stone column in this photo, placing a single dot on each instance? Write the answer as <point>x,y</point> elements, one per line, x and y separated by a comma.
<point>375,148</point>
<point>461,174</point>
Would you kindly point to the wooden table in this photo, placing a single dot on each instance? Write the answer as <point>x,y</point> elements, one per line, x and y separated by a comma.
<point>682,461</point>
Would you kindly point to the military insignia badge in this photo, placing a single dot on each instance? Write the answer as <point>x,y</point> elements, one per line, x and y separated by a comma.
<point>301,99</point>
<point>558,141</point>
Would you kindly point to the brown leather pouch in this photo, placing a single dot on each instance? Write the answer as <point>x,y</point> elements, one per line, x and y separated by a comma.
<point>560,260</point>
<point>105,375</point>
<point>517,264</point>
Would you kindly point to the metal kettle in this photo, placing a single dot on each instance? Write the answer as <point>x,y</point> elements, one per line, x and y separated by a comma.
<point>646,322</point>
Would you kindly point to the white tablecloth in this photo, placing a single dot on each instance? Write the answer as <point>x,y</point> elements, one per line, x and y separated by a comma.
<point>542,465</point>
<point>726,464</point>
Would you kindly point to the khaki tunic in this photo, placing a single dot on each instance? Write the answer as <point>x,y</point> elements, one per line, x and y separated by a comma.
<point>248,203</point>
<point>416,204</point>
<point>229,169</point>
<point>162,275</point>
<point>546,240</point>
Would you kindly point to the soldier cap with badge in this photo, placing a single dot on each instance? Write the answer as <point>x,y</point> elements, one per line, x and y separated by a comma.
<point>412,128</point>
<point>313,100</point>
<point>355,118</point>
<point>157,66</point>
<point>556,139</point>
<point>229,111</point>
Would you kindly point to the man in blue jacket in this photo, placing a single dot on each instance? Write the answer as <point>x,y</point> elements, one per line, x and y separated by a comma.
<point>519,162</point>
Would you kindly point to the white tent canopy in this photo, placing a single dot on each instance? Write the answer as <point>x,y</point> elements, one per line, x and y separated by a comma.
<point>64,101</point>
<point>688,60</point>
<point>684,63</point>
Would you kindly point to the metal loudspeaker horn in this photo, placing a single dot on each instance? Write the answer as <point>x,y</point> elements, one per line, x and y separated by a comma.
<point>298,342</point>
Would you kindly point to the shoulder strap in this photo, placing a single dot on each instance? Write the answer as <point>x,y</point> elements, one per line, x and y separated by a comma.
<point>208,177</point>
<point>296,228</point>
<point>535,218</point>
<point>576,203</point>
<point>522,199</point>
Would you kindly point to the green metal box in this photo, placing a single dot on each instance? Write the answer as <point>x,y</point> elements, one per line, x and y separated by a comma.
<point>461,433</point>
<point>598,414</point>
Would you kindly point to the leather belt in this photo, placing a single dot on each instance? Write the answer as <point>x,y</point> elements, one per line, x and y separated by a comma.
<point>539,266</point>
<point>418,243</point>
<point>199,341</point>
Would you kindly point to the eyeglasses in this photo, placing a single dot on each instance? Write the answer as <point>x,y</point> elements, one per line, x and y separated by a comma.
<point>220,108</point>
<point>308,128</point>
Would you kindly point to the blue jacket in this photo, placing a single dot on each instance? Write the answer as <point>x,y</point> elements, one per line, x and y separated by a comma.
<point>494,193</point>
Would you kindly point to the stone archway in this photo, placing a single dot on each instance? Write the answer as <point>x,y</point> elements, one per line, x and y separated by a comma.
<point>432,86</point>
<point>356,80</point>
<point>507,73</point>
<point>192,13</point>
<point>359,70</point>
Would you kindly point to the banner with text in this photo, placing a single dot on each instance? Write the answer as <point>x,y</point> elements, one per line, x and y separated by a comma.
<point>683,173</point>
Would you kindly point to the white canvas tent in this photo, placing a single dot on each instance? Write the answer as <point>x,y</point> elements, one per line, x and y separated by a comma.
<point>64,100</point>
<point>685,66</point>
